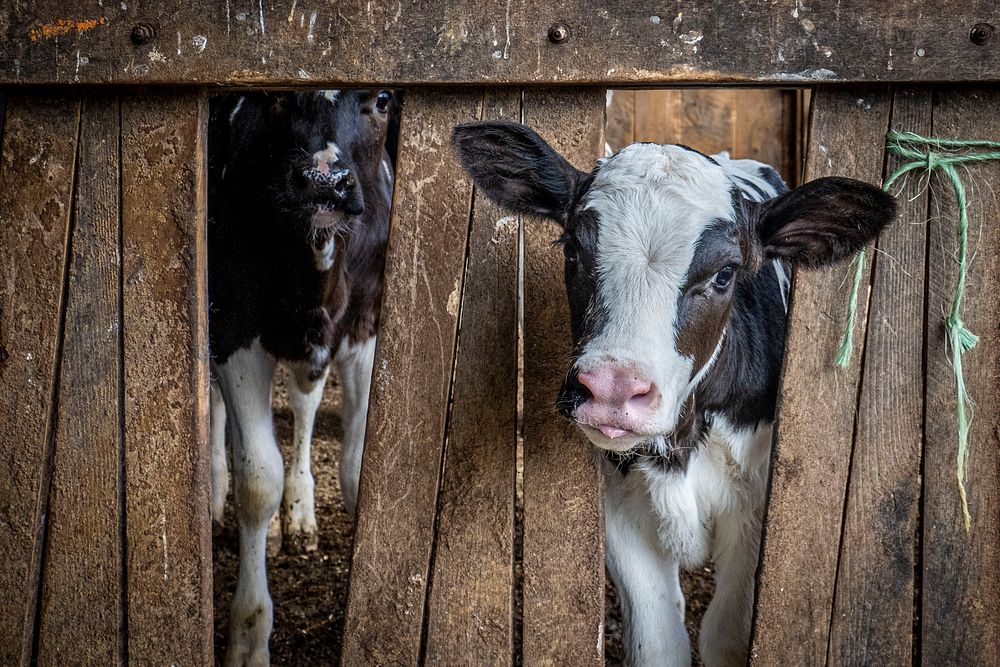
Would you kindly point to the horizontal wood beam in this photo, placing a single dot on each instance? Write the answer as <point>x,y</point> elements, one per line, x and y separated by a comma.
<point>332,42</point>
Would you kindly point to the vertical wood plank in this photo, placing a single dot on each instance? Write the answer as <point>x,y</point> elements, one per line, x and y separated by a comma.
<point>166,377</point>
<point>410,385</point>
<point>873,611</point>
<point>961,591</point>
<point>36,188</point>
<point>81,610</point>
<point>469,612</point>
<point>563,487</point>
<point>657,115</point>
<point>621,120</point>
<point>762,129</point>
<point>816,408</point>
<point>707,119</point>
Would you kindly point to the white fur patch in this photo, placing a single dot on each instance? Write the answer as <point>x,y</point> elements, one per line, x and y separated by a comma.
<point>331,95</point>
<point>653,203</point>
<point>323,158</point>
<point>323,256</point>
<point>354,366</point>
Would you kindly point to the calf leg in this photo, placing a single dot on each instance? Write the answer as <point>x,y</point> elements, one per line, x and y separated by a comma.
<point>220,465</point>
<point>298,506</point>
<point>648,580</point>
<point>354,366</point>
<point>245,379</point>
<point>725,631</point>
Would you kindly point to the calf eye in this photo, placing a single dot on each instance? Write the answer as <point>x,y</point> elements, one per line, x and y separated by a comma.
<point>722,279</point>
<point>382,101</point>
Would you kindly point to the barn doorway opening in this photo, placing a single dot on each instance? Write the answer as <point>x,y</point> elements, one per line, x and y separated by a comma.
<point>309,587</point>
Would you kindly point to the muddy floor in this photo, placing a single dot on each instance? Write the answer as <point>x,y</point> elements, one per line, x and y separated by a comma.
<point>310,590</point>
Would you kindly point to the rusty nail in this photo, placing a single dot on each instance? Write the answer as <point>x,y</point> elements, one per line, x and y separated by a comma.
<point>981,33</point>
<point>558,33</point>
<point>143,34</point>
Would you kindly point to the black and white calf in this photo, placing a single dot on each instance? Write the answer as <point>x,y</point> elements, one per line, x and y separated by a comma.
<point>300,186</point>
<point>677,276</point>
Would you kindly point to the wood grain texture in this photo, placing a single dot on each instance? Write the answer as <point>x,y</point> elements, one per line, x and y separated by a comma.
<point>756,123</point>
<point>872,619</point>
<point>410,384</point>
<point>169,572</point>
<point>657,114</point>
<point>816,408</point>
<point>36,172</point>
<point>707,119</point>
<point>469,607</point>
<point>620,131</point>
<point>295,42</point>
<point>563,487</point>
<point>960,618</point>
<point>81,608</point>
<point>765,128</point>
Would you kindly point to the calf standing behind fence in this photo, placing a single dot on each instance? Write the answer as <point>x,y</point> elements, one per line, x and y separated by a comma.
<point>300,190</point>
<point>677,282</point>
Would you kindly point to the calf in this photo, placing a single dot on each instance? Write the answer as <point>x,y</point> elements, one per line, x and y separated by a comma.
<point>676,267</point>
<point>299,193</point>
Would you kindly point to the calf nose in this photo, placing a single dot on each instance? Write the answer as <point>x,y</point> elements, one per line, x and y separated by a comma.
<point>332,177</point>
<point>621,399</point>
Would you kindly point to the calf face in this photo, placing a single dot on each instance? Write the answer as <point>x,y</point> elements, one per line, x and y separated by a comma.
<point>320,148</point>
<point>657,242</point>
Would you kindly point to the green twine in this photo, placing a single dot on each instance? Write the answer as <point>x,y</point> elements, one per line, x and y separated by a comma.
<point>932,153</point>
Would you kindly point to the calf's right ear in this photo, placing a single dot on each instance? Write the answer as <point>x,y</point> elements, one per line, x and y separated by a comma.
<point>517,169</point>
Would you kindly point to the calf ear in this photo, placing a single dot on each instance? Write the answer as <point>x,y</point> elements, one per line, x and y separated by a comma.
<point>516,168</point>
<point>824,221</point>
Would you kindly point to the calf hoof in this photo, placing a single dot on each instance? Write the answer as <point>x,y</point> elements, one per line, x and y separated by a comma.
<point>299,523</point>
<point>245,648</point>
<point>301,542</point>
<point>274,536</point>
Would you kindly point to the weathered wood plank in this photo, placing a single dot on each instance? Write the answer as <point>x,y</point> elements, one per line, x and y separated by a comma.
<point>291,42</point>
<point>656,116</point>
<point>764,128</point>
<point>410,385</point>
<point>563,486</point>
<point>816,408</point>
<point>707,119</point>
<point>960,618</point>
<point>36,188</point>
<point>469,612</point>
<point>873,606</point>
<point>169,575</point>
<point>81,608</point>
<point>620,131</point>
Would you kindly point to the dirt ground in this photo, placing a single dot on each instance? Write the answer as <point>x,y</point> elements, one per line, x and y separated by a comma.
<point>310,590</point>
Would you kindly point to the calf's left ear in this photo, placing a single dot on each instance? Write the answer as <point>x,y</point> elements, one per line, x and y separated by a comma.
<point>823,221</point>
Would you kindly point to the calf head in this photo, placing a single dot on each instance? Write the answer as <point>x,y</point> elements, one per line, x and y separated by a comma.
<point>321,148</point>
<point>657,243</point>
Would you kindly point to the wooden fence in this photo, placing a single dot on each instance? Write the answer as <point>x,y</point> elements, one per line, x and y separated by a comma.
<point>105,542</point>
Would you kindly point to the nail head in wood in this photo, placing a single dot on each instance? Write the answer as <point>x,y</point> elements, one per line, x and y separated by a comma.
<point>558,33</point>
<point>981,34</point>
<point>143,33</point>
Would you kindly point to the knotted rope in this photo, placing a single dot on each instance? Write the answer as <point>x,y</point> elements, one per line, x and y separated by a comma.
<point>932,153</point>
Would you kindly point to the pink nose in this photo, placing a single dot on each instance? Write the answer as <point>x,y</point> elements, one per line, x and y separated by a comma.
<point>622,400</point>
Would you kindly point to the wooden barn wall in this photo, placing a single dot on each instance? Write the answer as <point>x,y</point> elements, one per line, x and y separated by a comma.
<point>764,124</point>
